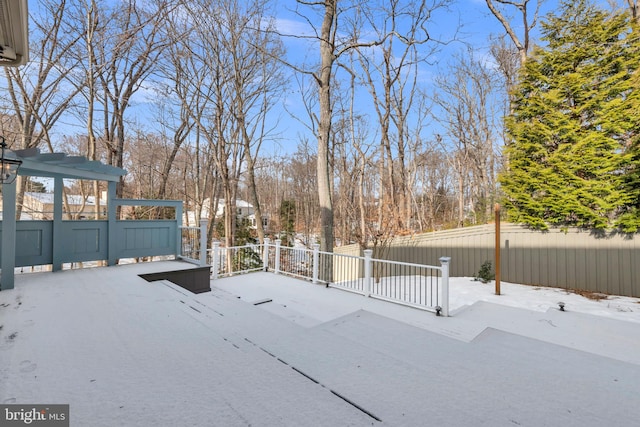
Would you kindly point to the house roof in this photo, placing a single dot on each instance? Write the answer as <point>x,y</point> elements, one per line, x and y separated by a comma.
<point>56,165</point>
<point>239,203</point>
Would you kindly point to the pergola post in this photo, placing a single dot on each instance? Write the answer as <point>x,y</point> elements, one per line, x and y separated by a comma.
<point>111,223</point>
<point>179,213</point>
<point>8,262</point>
<point>58,185</point>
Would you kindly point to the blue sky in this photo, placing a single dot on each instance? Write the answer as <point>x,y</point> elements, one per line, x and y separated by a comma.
<point>464,23</point>
<point>469,22</point>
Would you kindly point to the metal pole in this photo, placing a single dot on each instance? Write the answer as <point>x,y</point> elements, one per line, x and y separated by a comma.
<point>497,248</point>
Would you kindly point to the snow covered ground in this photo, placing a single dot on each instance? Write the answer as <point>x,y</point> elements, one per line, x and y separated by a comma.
<point>268,350</point>
<point>465,291</point>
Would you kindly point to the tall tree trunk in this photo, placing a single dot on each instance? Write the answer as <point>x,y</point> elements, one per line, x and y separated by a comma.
<point>361,205</point>
<point>92,23</point>
<point>253,192</point>
<point>324,127</point>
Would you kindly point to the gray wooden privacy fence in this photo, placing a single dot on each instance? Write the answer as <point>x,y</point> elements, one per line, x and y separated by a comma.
<point>574,259</point>
<point>40,242</point>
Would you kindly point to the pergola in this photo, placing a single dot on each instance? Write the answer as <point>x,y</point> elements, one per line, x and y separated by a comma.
<point>58,166</point>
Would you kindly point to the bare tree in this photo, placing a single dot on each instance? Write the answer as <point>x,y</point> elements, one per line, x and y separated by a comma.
<point>354,152</point>
<point>632,5</point>
<point>328,54</point>
<point>303,187</point>
<point>178,92</point>
<point>91,28</point>
<point>184,86</point>
<point>390,73</point>
<point>522,42</point>
<point>465,96</point>
<point>633,8</point>
<point>331,46</point>
<point>231,80</point>
<point>257,84</point>
<point>37,96</point>
<point>433,181</point>
<point>80,189</point>
<point>84,21</point>
<point>147,151</point>
<point>507,59</point>
<point>125,55</point>
<point>272,184</point>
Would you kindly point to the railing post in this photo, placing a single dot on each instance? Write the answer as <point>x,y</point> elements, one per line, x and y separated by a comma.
<point>316,262</point>
<point>265,254</point>
<point>216,259</point>
<point>368,253</point>
<point>203,242</point>
<point>444,262</point>
<point>277,267</point>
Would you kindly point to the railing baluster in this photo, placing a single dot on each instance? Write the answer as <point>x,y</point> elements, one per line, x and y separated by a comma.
<point>367,271</point>
<point>421,286</point>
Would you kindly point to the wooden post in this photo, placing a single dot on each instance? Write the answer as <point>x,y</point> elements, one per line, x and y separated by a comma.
<point>8,245</point>
<point>497,266</point>
<point>59,246</point>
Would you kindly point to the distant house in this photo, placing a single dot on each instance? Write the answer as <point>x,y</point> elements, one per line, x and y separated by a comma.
<point>244,210</point>
<point>40,206</point>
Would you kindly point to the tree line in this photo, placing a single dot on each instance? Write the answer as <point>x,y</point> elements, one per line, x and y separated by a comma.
<point>396,139</point>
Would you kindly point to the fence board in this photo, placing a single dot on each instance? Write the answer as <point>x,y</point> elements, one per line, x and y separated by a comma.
<point>84,240</point>
<point>36,247</point>
<point>572,259</point>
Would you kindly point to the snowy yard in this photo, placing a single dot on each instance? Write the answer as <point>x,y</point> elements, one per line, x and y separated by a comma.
<point>268,350</point>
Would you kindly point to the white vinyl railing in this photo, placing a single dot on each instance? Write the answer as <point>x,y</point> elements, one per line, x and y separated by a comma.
<point>192,240</point>
<point>235,260</point>
<point>421,286</point>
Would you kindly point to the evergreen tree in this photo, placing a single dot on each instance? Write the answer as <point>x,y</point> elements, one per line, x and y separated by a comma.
<point>288,218</point>
<point>573,158</point>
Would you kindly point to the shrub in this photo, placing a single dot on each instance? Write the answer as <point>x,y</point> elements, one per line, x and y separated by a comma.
<point>486,273</point>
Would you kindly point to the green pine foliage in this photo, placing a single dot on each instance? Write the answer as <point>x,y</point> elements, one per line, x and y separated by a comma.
<point>573,157</point>
<point>288,219</point>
